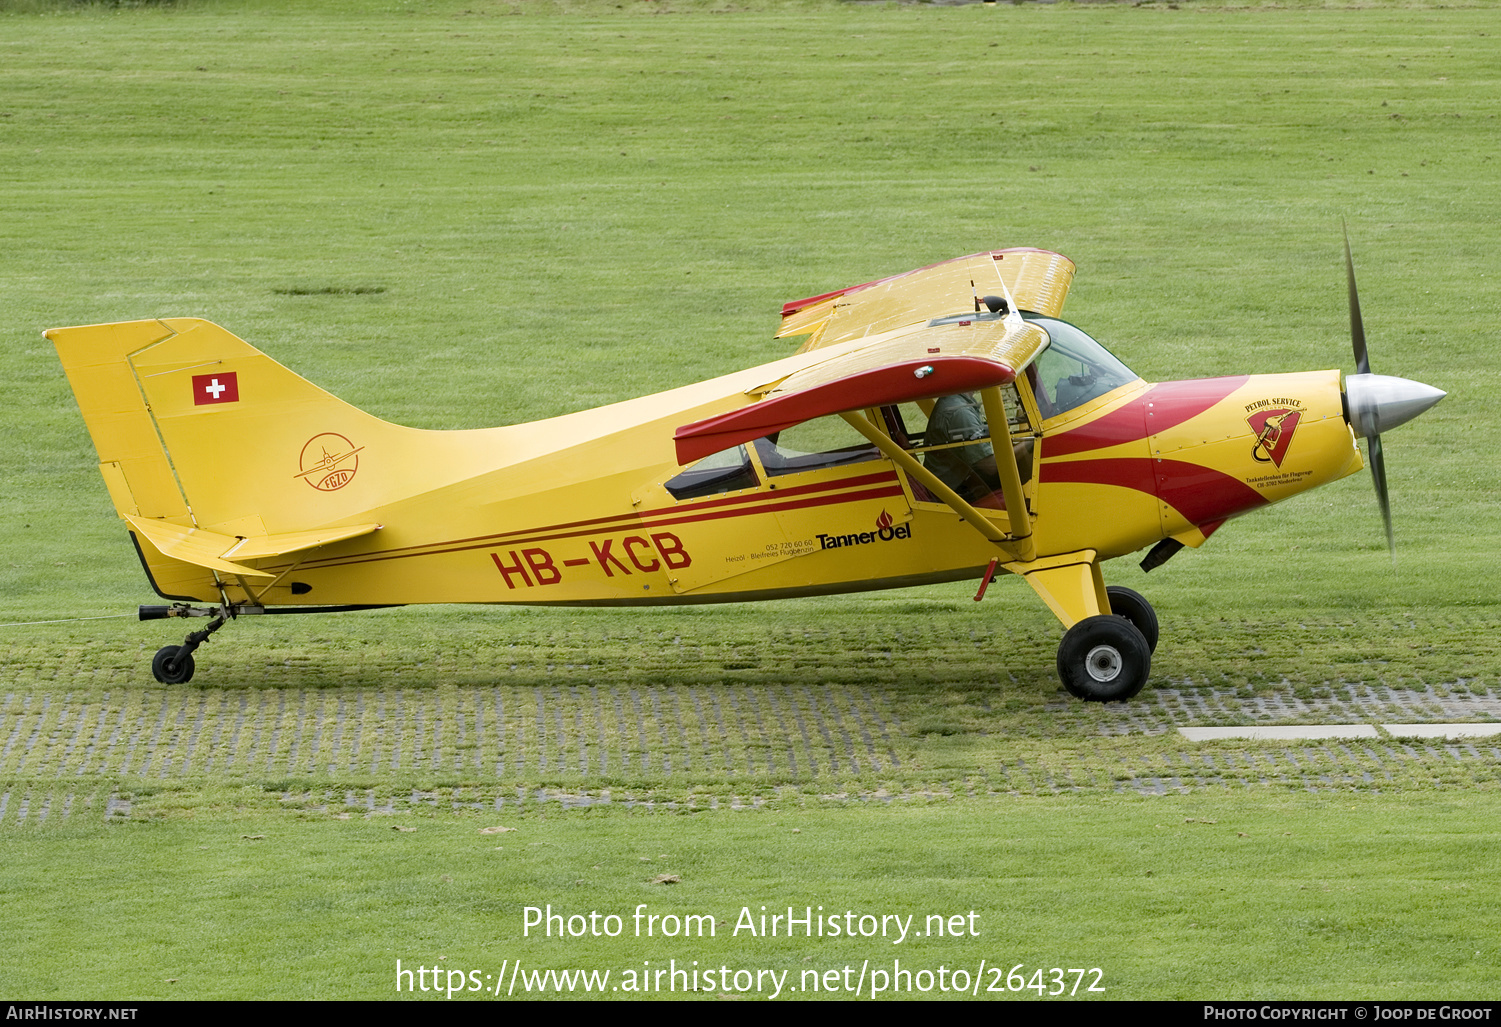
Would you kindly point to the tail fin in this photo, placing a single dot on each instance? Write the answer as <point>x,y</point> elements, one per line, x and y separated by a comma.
<point>217,455</point>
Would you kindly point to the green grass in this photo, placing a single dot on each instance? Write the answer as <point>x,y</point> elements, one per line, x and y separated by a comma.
<point>464,214</point>
<point>1181,898</point>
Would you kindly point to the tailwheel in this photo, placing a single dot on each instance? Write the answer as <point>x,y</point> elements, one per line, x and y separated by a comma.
<point>172,666</point>
<point>1133,606</point>
<point>1104,659</point>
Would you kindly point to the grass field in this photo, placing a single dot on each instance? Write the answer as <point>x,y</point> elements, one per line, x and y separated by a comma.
<point>1178,897</point>
<point>465,214</point>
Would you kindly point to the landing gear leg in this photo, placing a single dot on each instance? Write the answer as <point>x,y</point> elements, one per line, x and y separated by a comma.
<point>173,664</point>
<point>1106,653</point>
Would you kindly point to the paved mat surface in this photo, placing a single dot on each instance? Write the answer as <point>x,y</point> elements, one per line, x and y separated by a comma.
<point>370,749</point>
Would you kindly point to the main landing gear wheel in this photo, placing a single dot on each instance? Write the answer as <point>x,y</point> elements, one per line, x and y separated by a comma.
<point>1104,659</point>
<point>172,666</point>
<point>1133,606</point>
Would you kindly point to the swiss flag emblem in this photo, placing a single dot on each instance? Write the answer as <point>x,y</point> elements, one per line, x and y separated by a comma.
<point>215,388</point>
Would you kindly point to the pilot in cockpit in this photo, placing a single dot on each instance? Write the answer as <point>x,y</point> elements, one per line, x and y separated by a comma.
<point>961,418</point>
<point>968,470</point>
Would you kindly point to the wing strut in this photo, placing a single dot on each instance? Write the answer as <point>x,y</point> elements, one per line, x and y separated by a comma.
<point>907,462</point>
<point>1005,464</point>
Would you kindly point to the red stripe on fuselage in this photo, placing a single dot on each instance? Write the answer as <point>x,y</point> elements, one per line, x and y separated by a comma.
<point>797,504</point>
<point>1163,406</point>
<point>1201,494</point>
<point>821,494</point>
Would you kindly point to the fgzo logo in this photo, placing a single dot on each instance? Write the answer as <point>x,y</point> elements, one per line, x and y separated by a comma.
<point>885,531</point>
<point>328,462</point>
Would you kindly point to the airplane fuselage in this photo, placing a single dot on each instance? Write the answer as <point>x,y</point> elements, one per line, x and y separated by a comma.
<point>1143,463</point>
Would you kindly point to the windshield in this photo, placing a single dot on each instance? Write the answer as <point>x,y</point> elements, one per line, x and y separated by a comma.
<point>1073,369</point>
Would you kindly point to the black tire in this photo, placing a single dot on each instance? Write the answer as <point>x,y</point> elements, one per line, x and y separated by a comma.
<point>1133,606</point>
<point>1104,659</point>
<point>170,668</point>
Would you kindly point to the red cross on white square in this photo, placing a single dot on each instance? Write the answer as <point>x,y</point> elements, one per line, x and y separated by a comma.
<point>216,388</point>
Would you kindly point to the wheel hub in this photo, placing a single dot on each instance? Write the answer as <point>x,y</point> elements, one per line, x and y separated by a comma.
<point>1104,663</point>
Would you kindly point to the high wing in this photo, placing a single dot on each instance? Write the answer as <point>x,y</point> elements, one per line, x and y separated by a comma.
<point>965,353</point>
<point>922,361</point>
<point>1037,280</point>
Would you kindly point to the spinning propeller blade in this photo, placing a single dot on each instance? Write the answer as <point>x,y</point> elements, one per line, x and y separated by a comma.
<point>1376,402</point>
<point>1357,327</point>
<point>1378,475</point>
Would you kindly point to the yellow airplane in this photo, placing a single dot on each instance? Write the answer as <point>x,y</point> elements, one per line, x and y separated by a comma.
<point>938,425</point>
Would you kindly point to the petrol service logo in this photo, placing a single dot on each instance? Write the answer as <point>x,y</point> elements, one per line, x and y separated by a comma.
<point>328,462</point>
<point>1273,421</point>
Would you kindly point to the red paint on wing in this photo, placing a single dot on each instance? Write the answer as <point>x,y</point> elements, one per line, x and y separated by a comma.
<point>896,383</point>
<point>794,306</point>
<point>1163,406</point>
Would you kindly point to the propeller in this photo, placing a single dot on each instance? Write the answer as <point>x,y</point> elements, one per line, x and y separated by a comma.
<point>1376,402</point>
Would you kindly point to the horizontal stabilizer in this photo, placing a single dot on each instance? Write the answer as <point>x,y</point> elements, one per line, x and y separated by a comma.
<point>212,550</point>
<point>296,541</point>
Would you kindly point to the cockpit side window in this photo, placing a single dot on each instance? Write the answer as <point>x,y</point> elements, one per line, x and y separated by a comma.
<point>725,471</point>
<point>824,442</point>
<point>812,445</point>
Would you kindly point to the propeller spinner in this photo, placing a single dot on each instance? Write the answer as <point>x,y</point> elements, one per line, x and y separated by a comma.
<point>1376,402</point>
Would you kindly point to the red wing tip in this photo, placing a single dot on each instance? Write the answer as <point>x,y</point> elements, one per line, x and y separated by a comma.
<point>793,307</point>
